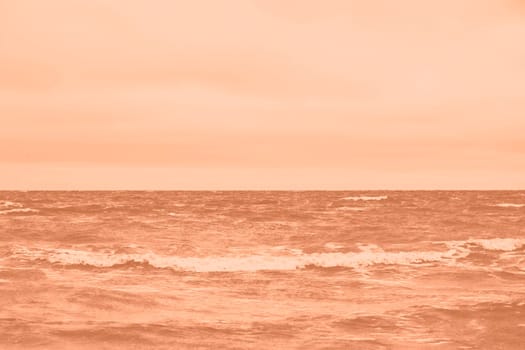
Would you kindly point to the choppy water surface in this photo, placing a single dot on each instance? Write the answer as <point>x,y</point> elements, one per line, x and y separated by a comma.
<point>243,270</point>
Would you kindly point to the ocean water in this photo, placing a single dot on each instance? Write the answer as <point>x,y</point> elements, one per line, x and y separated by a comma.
<point>259,270</point>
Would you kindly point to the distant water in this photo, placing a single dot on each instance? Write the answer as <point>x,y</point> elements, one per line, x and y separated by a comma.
<point>260,270</point>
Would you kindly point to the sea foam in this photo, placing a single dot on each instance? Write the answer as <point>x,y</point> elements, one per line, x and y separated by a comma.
<point>369,255</point>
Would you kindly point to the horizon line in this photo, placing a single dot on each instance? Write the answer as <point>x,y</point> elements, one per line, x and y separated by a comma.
<point>266,190</point>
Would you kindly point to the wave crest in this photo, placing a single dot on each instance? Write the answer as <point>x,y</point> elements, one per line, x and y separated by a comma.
<point>235,263</point>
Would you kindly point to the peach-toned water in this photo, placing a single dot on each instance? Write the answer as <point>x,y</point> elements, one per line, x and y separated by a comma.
<point>259,270</point>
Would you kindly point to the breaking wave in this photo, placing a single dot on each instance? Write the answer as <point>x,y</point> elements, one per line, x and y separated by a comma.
<point>368,255</point>
<point>236,263</point>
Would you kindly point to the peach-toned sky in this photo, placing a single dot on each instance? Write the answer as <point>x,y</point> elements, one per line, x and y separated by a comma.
<point>262,94</point>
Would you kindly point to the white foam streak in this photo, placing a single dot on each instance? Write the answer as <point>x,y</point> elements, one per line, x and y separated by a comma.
<point>352,209</point>
<point>366,198</point>
<point>510,205</point>
<point>18,210</point>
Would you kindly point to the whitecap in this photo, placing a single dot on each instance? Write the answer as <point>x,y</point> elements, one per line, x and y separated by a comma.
<point>7,204</point>
<point>366,198</point>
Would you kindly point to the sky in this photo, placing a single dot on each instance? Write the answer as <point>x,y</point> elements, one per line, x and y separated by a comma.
<point>262,94</point>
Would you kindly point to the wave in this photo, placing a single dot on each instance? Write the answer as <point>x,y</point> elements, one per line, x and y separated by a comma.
<point>292,259</point>
<point>365,198</point>
<point>235,263</point>
<point>509,205</point>
<point>18,210</point>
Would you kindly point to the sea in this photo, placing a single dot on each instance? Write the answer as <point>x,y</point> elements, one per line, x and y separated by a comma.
<point>262,270</point>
